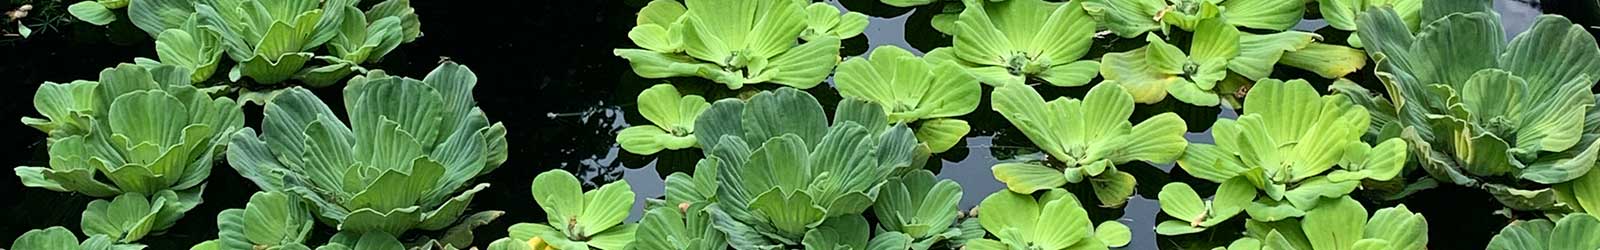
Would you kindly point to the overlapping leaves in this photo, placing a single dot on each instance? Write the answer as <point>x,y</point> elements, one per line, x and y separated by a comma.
<point>410,146</point>
<point>1130,18</point>
<point>1340,224</point>
<point>54,238</point>
<point>1085,139</point>
<point>1011,42</point>
<point>578,219</point>
<point>1287,144</point>
<point>805,183</point>
<point>1574,231</point>
<point>1054,221</point>
<point>917,211</point>
<point>739,42</point>
<point>1475,107</point>
<point>144,130</point>
<point>671,115</point>
<point>914,91</point>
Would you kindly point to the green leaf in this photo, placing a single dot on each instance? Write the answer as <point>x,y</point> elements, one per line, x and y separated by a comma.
<point>1062,223</point>
<point>1259,53</point>
<point>1180,201</point>
<point>1177,227</point>
<point>1126,18</point>
<point>49,238</point>
<point>1146,72</point>
<point>1312,191</point>
<point>1263,14</point>
<point>1380,163</point>
<point>559,194</point>
<point>155,16</point>
<point>673,116</point>
<point>825,20</point>
<point>1338,224</point>
<point>1113,188</point>
<point>92,12</point>
<point>1326,60</point>
<point>1400,227</point>
<point>1028,178</point>
<point>1029,38</point>
<point>127,218</point>
<point>1575,231</point>
<point>790,214</point>
<point>605,207</point>
<point>1113,234</point>
<point>910,89</point>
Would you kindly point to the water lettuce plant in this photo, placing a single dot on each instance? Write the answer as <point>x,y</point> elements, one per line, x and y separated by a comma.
<point>1158,69</point>
<point>1010,42</point>
<point>1287,144</point>
<point>98,12</point>
<point>671,117</point>
<point>1194,215</point>
<point>1130,18</point>
<point>681,220</point>
<point>1085,139</point>
<point>1341,223</point>
<point>54,238</point>
<point>1572,231</point>
<point>1054,221</point>
<point>823,21</point>
<point>738,42</point>
<point>1342,14</point>
<point>914,91</point>
<point>917,211</point>
<point>805,182</point>
<point>578,219</point>
<point>271,41</point>
<point>270,220</point>
<point>1483,112</point>
<point>687,226</point>
<point>410,147</point>
<point>130,216</point>
<point>190,46</point>
<point>362,38</point>
<point>143,130</point>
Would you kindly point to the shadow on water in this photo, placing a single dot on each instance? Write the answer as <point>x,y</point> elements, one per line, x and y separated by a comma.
<point>547,72</point>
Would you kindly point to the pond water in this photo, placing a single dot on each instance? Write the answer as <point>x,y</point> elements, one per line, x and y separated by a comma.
<point>546,71</point>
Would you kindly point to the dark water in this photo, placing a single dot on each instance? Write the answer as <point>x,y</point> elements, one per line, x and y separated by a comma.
<point>546,71</point>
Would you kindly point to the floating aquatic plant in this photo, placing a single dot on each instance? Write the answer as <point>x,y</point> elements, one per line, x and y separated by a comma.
<point>1130,18</point>
<point>1195,215</point>
<point>1158,69</point>
<point>145,131</point>
<point>738,42</point>
<point>578,219</point>
<point>54,238</point>
<point>1341,223</point>
<point>190,46</point>
<point>410,146</point>
<point>671,115</point>
<point>1573,231</point>
<point>1054,221</point>
<point>130,216</point>
<point>805,182</point>
<point>1287,144</point>
<point>914,91</point>
<point>917,211</point>
<point>270,220</point>
<point>1342,14</point>
<point>1476,108</point>
<point>1010,42</point>
<point>1085,140</point>
<point>823,21</point>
